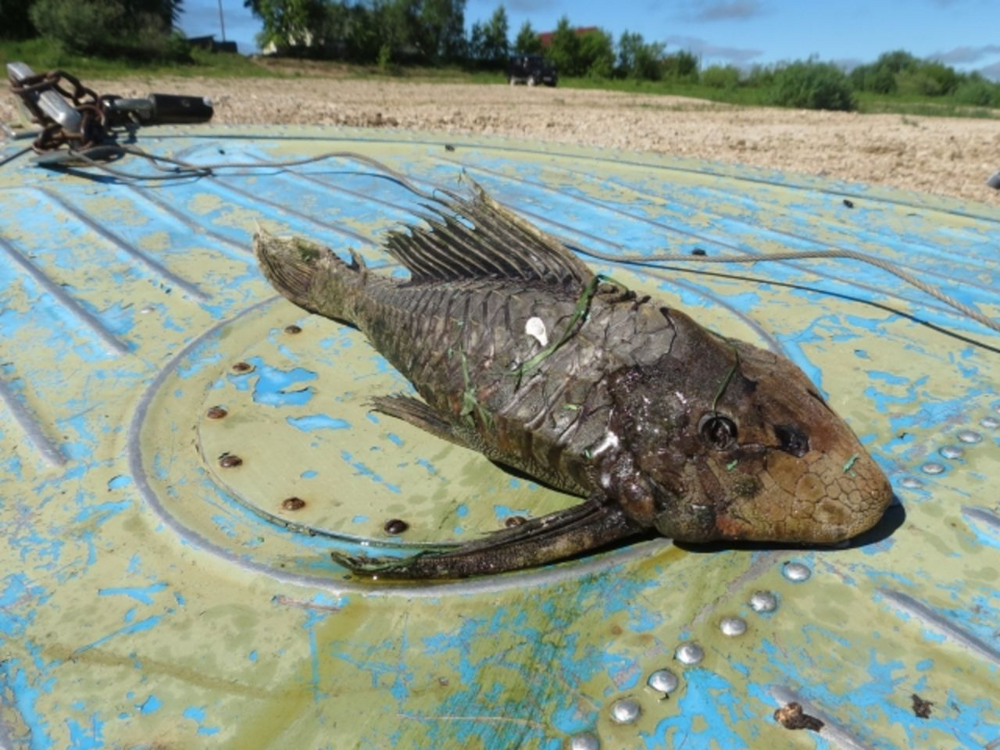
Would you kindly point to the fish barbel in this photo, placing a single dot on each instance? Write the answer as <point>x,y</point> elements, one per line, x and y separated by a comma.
<point>520,352</point>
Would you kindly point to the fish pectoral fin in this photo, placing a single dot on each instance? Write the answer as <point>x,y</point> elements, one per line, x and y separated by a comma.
<point>419,414</point>
<point>554,537</point>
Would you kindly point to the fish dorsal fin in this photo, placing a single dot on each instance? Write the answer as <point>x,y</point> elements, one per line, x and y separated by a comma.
<point>475,238</point>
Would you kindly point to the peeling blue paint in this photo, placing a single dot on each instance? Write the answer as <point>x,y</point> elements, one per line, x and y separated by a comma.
<point>141,594</point>
<point>317,422</point>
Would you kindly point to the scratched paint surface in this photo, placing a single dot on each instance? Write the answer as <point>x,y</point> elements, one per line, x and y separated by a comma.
<point>151,597</point>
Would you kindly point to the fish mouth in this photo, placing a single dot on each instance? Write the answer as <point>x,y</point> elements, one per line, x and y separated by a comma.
<point>825,505</point>
<point>818,513</point>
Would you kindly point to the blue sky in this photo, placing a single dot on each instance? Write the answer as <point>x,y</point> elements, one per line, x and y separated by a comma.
<point>963,33</point>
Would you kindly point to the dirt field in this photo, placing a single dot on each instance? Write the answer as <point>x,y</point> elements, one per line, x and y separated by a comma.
<point>949,156</point>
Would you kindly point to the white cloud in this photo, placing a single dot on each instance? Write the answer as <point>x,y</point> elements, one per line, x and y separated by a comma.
<point>724,10</point>
<point>703,48</point>
<point>960,55</point>
<point>992,71</point>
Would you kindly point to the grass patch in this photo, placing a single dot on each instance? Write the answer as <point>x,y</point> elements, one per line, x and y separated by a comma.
<point>924,106</point>
<point>43,54</point>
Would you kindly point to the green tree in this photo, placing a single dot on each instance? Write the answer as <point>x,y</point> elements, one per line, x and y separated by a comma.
<point>596,54</point>
<point>527,41</point>
<point>289,23</point>
<point>932,78</point>
<point>440,33</point>
<point>637,59</point>
<point>114,27</point>
<point>564,50</point>
<point>897,61</point>
<point>680,66</point>
<point>488,43</point>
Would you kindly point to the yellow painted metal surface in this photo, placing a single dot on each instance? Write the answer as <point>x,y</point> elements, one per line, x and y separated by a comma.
<point>152,597</point>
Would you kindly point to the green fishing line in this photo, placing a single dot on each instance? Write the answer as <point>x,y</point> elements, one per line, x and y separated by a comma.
<point>579,313</point>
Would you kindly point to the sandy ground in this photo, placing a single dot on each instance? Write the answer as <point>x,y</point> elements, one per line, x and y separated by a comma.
<point>948,156</point>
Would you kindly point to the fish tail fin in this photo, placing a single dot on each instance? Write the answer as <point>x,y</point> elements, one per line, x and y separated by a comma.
<point>310,275</point>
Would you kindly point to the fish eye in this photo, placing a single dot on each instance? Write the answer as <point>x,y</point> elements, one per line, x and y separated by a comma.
<point>718,431</point>
<point>792,439</point>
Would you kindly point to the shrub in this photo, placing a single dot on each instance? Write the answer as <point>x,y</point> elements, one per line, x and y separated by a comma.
<point>719,77</point>
<point>812,85</point>
<point>680,66</point>
<point>979,93</point>
<point>108,28</point>
<point>876,78</point>
<point>760,77</point>
<point>384,61</point>
<point>78,26</point>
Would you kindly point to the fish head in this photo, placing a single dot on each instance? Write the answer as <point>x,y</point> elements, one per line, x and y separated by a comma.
<point>734,442</point>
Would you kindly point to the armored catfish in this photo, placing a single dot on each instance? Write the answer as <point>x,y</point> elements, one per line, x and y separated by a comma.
<point>519,351</point>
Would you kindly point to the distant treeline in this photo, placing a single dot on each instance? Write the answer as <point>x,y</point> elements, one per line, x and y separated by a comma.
<point>388,33</point>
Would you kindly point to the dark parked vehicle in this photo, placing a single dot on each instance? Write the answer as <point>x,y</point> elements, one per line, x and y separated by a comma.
<point>532,70</point>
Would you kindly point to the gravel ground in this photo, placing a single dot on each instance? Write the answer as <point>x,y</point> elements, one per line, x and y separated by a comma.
<point>943,155</point>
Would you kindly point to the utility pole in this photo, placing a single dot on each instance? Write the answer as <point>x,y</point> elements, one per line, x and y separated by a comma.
<point>222,21</point>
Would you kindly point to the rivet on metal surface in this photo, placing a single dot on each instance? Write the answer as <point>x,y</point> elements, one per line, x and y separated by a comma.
<point>229,461</point>
<point>242,367</point>
<point>733,626</point>
<point>796,572</point>
<point>970,436</point>
<point>990,423</point>
<point>395,526</point>
<point>146,310</point>
<point>293,329</point>
<point>763,601</point>
<point>932,467</point>
<point>689,653</point>
<point>513,521</point>
<point>952,451</point>
<point>293,503</point>
<point>216,412</point>
<point>663,681</point>
<point>625,711</point>
<point>584,741</point>
<point>911,483</point>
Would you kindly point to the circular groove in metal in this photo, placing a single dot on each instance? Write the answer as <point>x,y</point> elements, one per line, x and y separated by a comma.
<point>198,532</point>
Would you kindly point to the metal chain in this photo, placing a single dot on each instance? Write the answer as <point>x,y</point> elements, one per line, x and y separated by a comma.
<point>93,124</point>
